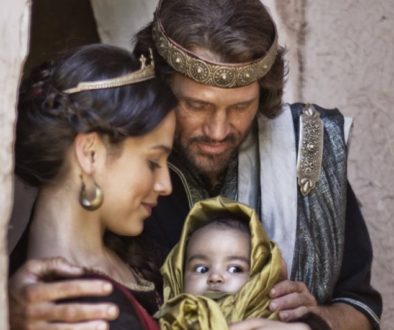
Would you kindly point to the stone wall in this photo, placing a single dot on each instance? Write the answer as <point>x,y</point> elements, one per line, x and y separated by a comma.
<point>14,25</point>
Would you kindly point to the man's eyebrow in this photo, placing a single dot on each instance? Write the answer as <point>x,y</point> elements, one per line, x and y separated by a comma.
<point>194,99</point>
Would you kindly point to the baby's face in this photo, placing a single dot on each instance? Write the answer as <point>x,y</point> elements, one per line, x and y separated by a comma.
<point>217,260</point>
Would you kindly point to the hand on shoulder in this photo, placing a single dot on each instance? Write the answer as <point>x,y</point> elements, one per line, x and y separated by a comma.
<point>32,301</point>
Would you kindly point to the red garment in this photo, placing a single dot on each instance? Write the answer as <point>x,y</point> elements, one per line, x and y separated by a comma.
<point>148,322</point>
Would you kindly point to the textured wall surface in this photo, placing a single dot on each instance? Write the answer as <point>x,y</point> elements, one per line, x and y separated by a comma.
<point>117,24</point>
<point>14,20</point>
<point>348,63</point>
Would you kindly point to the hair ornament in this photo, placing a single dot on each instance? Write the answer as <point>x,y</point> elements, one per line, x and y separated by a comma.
<point>146,72</point>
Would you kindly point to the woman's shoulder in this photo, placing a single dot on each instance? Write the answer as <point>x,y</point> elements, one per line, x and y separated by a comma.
<point>132,314</point>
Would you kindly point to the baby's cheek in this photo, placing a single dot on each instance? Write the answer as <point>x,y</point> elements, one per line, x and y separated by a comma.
<point>193,284</point>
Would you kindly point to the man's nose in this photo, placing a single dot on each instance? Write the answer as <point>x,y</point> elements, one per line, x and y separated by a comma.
<point>217,126</point>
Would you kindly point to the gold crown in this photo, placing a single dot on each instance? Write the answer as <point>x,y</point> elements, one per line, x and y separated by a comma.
<point>146,72</point>
<point>224,75</point>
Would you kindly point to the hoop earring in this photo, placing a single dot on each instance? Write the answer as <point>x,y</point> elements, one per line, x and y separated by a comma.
<point>93,203</point>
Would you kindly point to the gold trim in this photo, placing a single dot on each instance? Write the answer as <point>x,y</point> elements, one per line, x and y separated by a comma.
<point>146,72</point>
<point>224,75</point>
<point>310,149</point>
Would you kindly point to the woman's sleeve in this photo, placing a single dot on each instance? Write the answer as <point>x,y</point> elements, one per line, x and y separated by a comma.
<point>128,317</point>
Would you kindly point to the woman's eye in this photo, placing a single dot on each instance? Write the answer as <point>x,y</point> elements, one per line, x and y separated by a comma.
<point>235,269</point>
<point>153,165</point>
<point>201,269</point>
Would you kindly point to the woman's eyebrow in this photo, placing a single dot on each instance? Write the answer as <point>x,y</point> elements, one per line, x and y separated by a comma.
<point>163,147</point>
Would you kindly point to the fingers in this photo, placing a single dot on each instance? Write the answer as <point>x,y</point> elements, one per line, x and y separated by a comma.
<point>291,299</point>
<point>34,270</point>
<point>65,290</point>
<point>31,300</point>
<point>293,314</point>
<point>94,325</point>
<point>72,313</point>
<point>288,287</point>
<point>58,266</point>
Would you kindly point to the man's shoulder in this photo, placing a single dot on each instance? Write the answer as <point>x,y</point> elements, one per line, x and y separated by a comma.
<point>297,109</point>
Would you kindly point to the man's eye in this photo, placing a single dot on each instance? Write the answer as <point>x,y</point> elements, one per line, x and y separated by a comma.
<point>235,269</point>
<point>201,269</point>
<point>195,105</point>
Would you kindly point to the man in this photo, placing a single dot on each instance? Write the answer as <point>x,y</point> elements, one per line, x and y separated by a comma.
<point>222,60</point>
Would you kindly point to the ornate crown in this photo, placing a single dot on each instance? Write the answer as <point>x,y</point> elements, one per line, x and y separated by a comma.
<point>146,72</point>
<point>225,75</point>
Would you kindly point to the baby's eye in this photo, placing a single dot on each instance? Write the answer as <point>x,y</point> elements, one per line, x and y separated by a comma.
<point>235,269</point>
<point>201,269</point>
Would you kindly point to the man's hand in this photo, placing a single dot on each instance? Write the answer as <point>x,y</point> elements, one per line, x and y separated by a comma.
<point>31,301</point>
<point>291,300</point>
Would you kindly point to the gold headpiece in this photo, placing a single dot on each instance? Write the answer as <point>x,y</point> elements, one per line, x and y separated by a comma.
<point>224,75</point>
<point>146,72</point>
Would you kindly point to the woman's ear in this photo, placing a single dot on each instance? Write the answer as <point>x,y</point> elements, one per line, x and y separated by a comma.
<point>89,150</point>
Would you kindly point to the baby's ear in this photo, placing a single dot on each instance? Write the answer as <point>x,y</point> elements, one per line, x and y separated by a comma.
<point>89,150</point>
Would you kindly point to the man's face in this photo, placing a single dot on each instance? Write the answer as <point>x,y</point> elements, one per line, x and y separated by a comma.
<point>212,122</point>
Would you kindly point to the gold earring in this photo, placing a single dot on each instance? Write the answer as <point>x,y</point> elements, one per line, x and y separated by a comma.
<point>94,203</point>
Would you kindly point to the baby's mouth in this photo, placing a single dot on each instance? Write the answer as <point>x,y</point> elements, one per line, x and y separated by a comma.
<point>215,295</point>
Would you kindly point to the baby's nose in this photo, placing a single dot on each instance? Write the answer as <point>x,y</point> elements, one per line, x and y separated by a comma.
<point>215,278</point>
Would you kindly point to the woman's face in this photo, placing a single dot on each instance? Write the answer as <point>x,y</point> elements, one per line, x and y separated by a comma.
<point>133,181</point>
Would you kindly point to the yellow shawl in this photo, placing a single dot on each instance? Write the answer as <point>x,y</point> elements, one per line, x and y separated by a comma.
<point>185,311</point>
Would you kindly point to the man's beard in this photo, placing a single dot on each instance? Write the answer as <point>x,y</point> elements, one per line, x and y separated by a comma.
<point>210,166</point>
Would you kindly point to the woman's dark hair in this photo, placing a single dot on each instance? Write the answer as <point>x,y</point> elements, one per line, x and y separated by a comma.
<point>49,119</point>
<point>234,30</point>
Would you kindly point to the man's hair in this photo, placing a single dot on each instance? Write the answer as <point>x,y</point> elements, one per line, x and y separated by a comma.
<point>235,31</point>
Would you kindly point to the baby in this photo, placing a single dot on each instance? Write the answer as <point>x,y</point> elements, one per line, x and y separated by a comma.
<point>221,270</point>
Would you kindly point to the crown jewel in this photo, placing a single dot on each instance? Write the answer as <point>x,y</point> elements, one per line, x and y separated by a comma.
<point>146,72</point>
<point>224,75</point>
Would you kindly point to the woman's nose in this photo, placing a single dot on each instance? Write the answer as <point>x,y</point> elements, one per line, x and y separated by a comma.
<point>163,183</point>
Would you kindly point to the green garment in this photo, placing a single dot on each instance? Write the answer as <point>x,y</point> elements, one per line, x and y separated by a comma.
<point>185,311</point>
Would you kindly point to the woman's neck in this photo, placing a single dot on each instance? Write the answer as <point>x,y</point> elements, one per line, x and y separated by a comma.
<point>60,227</point>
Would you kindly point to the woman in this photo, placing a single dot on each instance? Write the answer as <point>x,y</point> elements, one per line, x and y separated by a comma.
<point>93,134</point>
